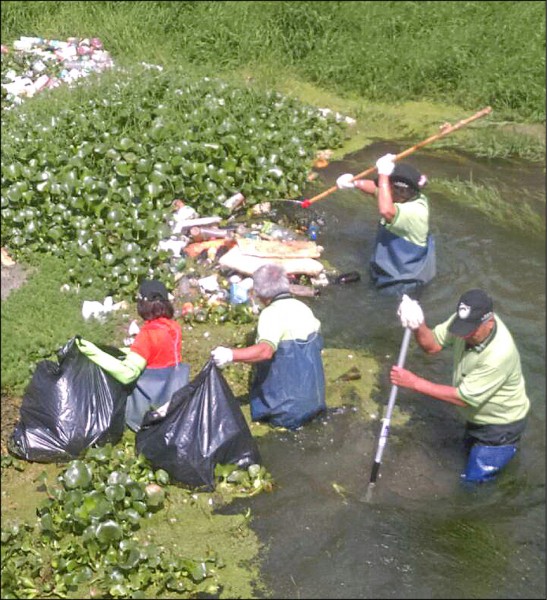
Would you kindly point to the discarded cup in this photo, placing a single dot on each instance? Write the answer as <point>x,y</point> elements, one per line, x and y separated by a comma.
<point>239,290</point>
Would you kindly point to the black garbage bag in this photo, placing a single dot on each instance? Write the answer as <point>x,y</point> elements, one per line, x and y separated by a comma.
<point>203,426</point>
<point>67,407</point>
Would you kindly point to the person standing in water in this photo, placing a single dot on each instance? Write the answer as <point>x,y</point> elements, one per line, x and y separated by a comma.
<point>488,386</point>
<point>288,387</point>
<point>403,258</point>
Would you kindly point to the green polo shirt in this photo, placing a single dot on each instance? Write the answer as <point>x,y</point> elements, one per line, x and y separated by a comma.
<point>286,319</point>
<point>488,377</point>
<point>411,220</point>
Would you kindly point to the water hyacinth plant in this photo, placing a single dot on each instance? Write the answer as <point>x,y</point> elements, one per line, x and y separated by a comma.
<point>86,542</point>
<point>94,180</point>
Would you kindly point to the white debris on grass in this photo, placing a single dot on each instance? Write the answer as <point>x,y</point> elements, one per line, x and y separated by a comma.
<point>99,310</point>
<point>49,64</point>
<point>338,116</point>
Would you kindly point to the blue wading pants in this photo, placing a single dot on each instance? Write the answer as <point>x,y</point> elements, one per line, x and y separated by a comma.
<point>154,388</point>
<point>398,266</point>
<point>289,389</point>
<point>485,462</point>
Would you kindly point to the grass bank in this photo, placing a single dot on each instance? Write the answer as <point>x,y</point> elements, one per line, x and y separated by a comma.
<point>469,54</point>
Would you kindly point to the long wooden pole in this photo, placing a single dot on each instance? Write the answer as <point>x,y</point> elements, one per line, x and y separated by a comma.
<point>446,130</point>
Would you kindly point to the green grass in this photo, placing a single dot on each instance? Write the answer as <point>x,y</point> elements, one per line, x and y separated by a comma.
<point>524,215</point>
<point>39,318</point>
<point>261,48</point>
<point>471,54</point>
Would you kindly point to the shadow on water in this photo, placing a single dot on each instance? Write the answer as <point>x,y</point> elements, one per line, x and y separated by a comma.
<point>422,534</point>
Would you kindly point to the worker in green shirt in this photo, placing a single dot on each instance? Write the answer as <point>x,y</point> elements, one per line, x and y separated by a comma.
<point>403,258</point>
<point>288,386</point>
<point>487,385</point>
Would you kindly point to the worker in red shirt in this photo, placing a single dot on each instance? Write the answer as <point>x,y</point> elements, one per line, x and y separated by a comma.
<point>154,360</point>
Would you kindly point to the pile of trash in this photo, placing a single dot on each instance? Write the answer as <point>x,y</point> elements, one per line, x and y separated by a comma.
<point>34,64</point>
<point>212,261</point>
<point>239,247</point>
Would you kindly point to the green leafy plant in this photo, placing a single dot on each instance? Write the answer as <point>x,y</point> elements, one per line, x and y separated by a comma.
<point>94,182</point>
<point>86,541</point>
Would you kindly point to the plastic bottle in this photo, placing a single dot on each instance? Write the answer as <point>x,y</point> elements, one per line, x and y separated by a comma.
<point>275,232</point>
<point>234,201</point>
<point>313,230</point>
<point>199,234</point>
<point>350,277</point>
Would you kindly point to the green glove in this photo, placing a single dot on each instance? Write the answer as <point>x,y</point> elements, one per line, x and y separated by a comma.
<point>125,371</point>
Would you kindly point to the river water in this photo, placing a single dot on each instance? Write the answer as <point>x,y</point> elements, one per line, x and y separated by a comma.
<point>421,534</point>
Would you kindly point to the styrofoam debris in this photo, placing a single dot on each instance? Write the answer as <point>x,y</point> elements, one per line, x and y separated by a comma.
<point>187,224</point>
<point>99,310</point>
<point>339,117</point>
<point>175,246</point>
<point>133,328</point>
<point>209,284</point>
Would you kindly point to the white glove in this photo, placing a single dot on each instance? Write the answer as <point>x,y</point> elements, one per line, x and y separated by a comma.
<point>344,182</point>
<point>222,356</point>
<point>385,164</point>
<point>410,313</point>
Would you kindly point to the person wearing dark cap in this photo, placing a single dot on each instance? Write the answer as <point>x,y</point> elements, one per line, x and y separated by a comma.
<point>403,258</point>
<point>487,384</point>
<point>153,362</point>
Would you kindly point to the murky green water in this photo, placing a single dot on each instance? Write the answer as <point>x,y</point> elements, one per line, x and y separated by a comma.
<point>422,535</point>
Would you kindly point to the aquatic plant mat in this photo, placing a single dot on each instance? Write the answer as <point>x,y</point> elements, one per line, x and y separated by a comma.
<point>109,526</point>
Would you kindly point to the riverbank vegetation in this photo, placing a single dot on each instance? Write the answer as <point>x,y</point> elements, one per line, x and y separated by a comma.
<point>471,54</point>
<point>86,189</point>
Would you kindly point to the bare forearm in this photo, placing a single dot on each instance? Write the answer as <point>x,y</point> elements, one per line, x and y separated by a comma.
<point>407,379</point>
<point>426,340</point>
<point>386,207</point>
<point>365,185</point>
<point>254,353</point>
<point>446,393</point>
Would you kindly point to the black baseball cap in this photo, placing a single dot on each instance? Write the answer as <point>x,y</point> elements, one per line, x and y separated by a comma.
<point>474,308</point>
<point>152,289</point>
<point>404,175</point>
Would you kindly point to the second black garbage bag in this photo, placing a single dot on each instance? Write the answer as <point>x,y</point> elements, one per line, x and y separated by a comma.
<point>203,426</point>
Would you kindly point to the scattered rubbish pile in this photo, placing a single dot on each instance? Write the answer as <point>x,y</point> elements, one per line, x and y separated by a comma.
<point>213,259</point>
<point>34,64</point>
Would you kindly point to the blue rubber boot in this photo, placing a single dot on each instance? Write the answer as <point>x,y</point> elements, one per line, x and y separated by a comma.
<point>485,462</point>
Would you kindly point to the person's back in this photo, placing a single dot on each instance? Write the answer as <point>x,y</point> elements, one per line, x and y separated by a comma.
<point>290,318</point>
<point>153,364</point>
<point>288,387</point>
